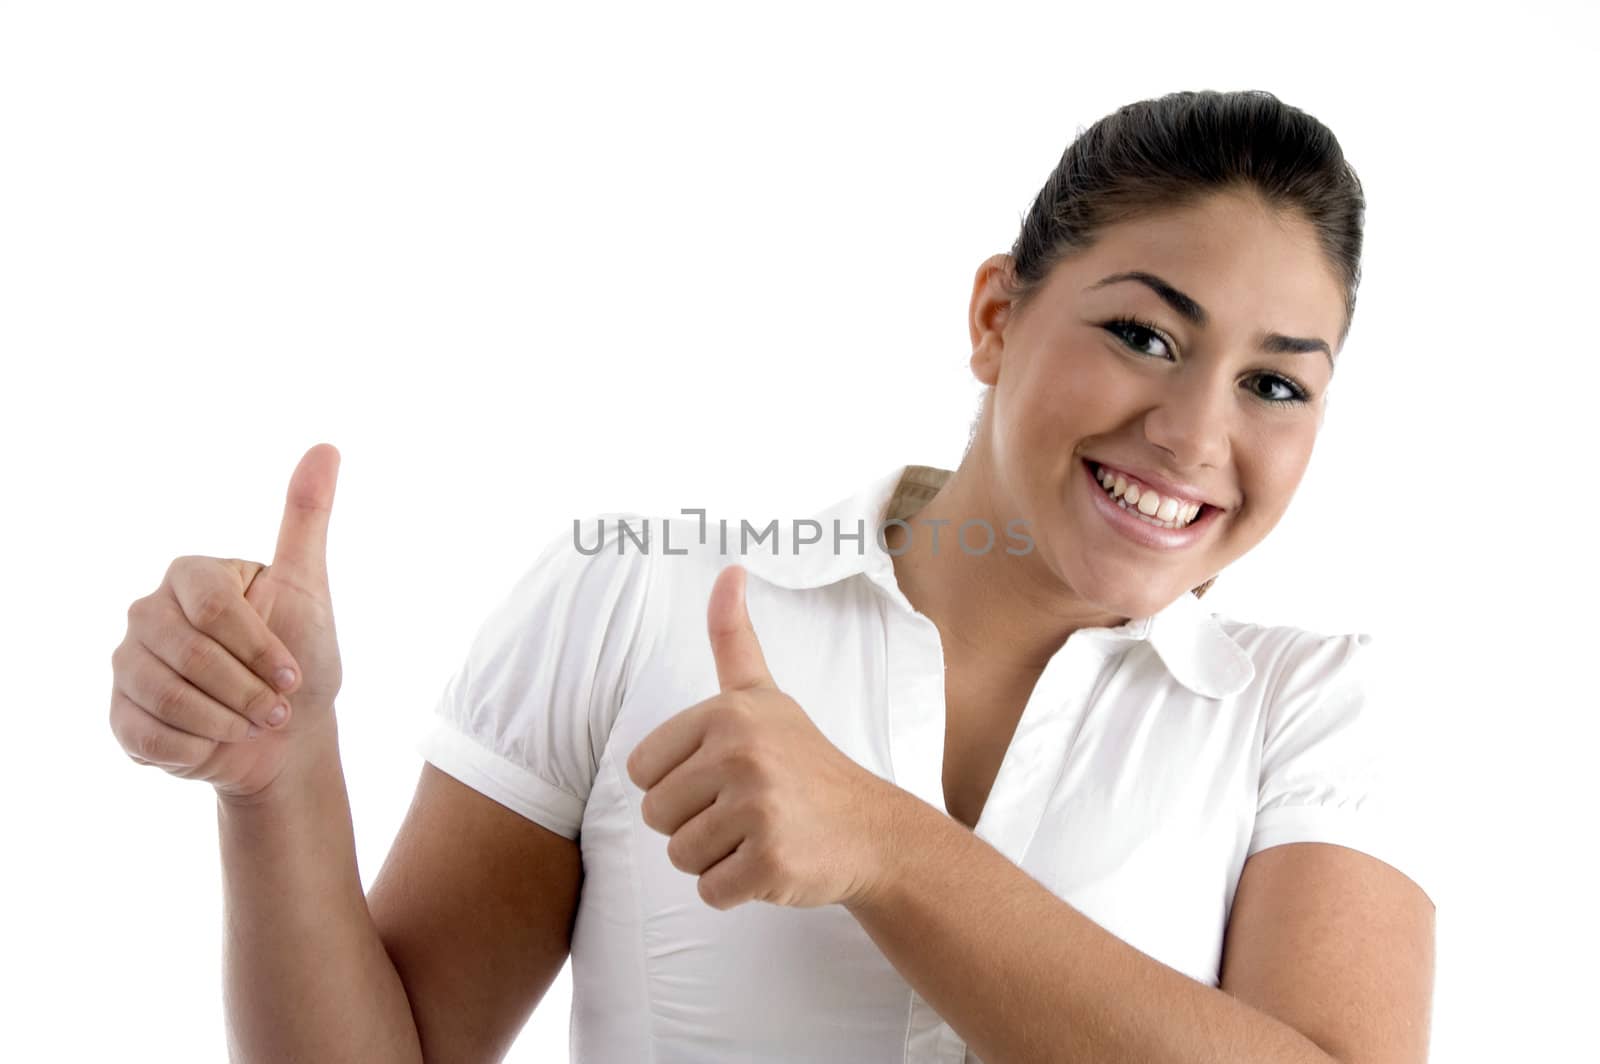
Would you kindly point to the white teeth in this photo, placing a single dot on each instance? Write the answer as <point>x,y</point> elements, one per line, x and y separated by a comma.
<point>1138,499</point>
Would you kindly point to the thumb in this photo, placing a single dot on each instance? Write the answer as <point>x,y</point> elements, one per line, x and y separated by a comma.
<point>302,551</point>
<point>733,639</point>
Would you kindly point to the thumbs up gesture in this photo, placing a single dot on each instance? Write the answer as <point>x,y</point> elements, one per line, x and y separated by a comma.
<point>229,669</point>
<point>755,800</point>
<point>291,595</point>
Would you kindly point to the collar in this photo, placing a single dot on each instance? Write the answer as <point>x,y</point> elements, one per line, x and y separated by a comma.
<point>805,554</point>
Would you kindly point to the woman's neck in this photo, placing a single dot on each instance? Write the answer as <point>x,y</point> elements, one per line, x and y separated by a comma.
<point>993,609</point>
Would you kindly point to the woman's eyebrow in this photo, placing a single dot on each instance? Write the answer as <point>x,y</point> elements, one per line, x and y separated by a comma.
<point>1274,343</point>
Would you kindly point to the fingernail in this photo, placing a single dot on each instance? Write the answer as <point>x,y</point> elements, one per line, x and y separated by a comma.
<point>279,712</point>
<point>252,732</point>
<point>284,678</point>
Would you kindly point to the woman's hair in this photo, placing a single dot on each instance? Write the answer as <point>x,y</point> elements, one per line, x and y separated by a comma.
<point>1177,149</point>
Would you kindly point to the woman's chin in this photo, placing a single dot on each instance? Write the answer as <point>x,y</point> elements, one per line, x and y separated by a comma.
<point>1127,595</point>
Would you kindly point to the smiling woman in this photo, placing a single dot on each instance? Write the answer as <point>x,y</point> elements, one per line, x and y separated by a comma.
<point>1181,349</point>
<point>1022,804</point>
<point>1158,348</point>
<point>1063,811</point>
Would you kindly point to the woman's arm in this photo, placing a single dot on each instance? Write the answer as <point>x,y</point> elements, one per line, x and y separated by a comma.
<point>1322,936</point>
<point>305,975</point>
<point>465,928</point>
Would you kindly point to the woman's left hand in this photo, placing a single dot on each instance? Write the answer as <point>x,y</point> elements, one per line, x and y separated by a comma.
<point>756,801</point>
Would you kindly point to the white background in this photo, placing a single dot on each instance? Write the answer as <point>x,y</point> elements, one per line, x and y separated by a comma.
<point>522,264</point>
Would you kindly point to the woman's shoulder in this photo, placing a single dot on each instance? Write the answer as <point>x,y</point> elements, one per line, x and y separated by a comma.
<point>1280,650</point>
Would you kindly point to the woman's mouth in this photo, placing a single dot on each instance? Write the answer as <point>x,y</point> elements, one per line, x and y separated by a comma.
<point>1184,523</point>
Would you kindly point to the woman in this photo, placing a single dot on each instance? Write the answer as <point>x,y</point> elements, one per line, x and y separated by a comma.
<point>1011,795</point>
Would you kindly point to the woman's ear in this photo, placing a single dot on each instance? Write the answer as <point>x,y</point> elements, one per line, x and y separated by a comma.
<point>987,315</point>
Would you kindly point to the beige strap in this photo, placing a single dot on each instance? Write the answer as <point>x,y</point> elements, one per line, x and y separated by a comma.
<point>918,484</point>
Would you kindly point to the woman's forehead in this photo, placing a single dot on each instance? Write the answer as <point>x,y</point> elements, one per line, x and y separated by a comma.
<point>1233,265</point>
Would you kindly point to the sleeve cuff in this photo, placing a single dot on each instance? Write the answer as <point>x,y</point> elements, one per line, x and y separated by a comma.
<point>1342,826</point>
<point>513,786</point>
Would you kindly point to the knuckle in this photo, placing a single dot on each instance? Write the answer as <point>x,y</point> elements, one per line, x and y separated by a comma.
<point>211,607</point>
<point>763,808</point>
<point>743,758</point>
<point>257,658</point>
<point>725,725</point>
<point>265,656</point>
<point>768,864</point>
<point>148,744</point>
<point>197,656</point>
<point>141,611</point>
<point>169,701</point>
<point>261,701</point>
<point>179,569</point>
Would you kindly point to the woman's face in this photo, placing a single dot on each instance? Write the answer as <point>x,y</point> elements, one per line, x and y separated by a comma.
<point>1189,401</point>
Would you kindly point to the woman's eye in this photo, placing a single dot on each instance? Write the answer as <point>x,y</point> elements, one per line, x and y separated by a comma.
<point>1138,336</point>
<point>1288,392</point>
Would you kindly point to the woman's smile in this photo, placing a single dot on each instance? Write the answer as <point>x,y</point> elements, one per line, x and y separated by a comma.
<point>1135,525</point>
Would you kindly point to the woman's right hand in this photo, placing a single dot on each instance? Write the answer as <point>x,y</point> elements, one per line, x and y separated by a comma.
<point>197,670</point>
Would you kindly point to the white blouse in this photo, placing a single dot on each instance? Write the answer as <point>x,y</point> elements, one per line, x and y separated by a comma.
<point>1150,761</point>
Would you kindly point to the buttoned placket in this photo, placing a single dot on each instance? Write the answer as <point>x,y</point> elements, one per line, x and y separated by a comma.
<point>1028,773</point>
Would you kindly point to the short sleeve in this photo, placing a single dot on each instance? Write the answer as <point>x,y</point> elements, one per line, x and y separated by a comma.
<point>1331,759</point>
<point>525,717</point>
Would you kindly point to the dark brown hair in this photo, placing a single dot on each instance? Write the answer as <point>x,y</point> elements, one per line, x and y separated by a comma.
<point>1174,150</point>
